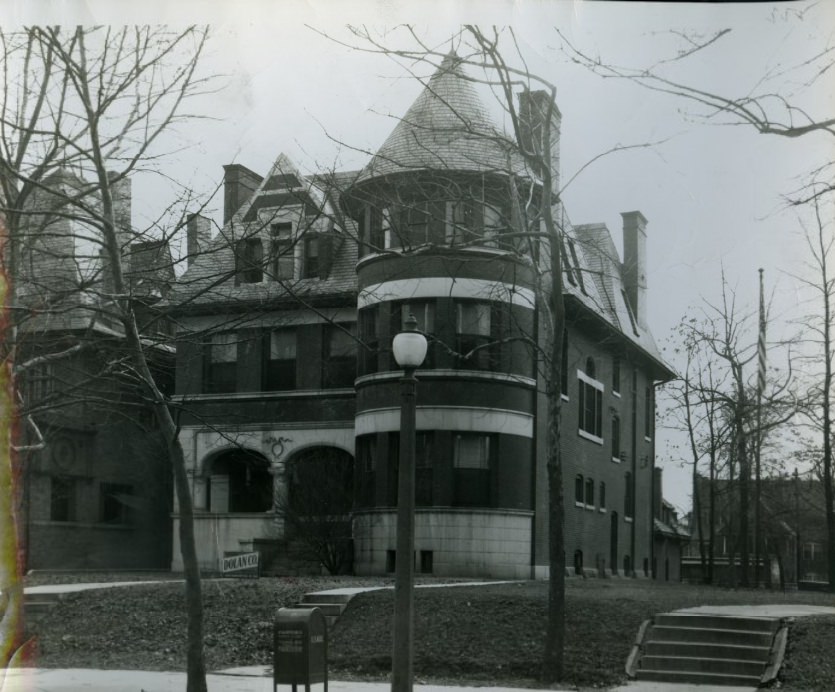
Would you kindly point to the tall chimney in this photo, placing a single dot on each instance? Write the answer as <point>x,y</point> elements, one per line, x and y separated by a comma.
<point>534,109</point>
<point>120,194</point>
<point>198,235</point>
<point>634,263</point>
<point>238,185</point>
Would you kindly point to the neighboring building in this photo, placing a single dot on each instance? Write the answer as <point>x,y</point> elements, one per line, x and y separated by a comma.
<point>96,495</point>
<point>285,321</point>
<point>794,531</point>
<point>671,538</point>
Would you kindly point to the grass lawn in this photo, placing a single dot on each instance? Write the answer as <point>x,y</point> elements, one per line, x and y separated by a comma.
<point>464,633</point>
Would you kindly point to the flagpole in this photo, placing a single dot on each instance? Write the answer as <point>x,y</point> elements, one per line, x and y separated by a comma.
<point>758,439</point>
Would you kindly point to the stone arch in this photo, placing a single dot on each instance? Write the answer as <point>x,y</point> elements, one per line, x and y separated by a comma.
<point>238,480</point>
<point>319,481</point>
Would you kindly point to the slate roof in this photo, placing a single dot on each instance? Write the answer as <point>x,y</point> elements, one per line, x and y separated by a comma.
<point>446,128</point>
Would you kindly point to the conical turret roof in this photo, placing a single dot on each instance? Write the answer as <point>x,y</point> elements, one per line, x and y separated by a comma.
<point>446,128</point>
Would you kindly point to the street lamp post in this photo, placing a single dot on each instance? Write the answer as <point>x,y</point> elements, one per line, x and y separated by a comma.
<point>409,349</point>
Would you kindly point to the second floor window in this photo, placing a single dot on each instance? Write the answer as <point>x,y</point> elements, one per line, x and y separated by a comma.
<point>222,362</point>
<point>249,258</point>
<point>369,340</point>
<point>280,366</point>
<point>649,412</point>
<point>339,362</point>
<point>473,330</point>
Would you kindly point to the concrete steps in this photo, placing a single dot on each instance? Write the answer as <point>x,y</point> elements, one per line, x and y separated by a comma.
<point>708,649</point>
<point>36,605</point>
<point>332,605</point>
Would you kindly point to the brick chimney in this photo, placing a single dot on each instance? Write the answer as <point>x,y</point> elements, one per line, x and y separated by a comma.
<point>198,235</point>
<point>238,185</point>
<point>120,193</point>
<point>657,492</point>
<point>634,263</point>
<point>534,108</point>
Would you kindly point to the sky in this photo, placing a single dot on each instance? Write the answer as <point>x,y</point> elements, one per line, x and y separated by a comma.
<point>713,193</point>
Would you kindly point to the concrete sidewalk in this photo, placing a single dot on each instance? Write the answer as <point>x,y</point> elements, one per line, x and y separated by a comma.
<point>253,679</point>
<point>239,680</point>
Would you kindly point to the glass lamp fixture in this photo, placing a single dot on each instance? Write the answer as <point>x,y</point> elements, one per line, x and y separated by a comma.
<point>409,346</point>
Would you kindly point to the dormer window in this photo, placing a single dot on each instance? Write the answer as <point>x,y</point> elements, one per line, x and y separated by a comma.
<point>311,267</point>
<point>249,257</point>
<point>282,251</point>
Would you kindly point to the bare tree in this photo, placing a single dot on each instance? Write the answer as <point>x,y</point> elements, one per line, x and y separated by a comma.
<point>96,104</point>
<point>697,408</point>
<point>819,324</point>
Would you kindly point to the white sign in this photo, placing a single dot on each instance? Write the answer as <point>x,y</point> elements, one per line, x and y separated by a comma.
<point>238,563</point>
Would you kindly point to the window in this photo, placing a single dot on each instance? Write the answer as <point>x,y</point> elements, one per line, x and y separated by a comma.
<point>410,226</point>
<point>423,468</point>
<point>283,262</point>
<point>629,496</point>
<point>471,464</point>
<point>369,338</point>
<point>40,381</point>
<point>62,498</point>
<point>649,412</point>
<point>602,496</point>
<point>249,258</point>
<point>464,224</point>
<point>280,370</point>
<point>473,330</point>
<point>590,493</point>
<point>811,551</point>
<point>339,364</point>
<point>590,405</point>
<point>616,438</point>
<point>426,561</point>
<point>311,266</point>
<point>376,237</point>
<point>114,503</point>
<point>222,362</point>
<point>579,490</point>
<point>616,376</point>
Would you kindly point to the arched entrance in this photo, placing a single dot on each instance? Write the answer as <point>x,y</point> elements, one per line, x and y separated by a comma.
<point>318,504</point>
<point>239,480</point>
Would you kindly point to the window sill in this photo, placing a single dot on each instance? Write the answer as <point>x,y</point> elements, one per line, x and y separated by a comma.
<point>628,520</point>
<point>617,394</point>
<point>602,510</point>
<point>590,507</point>
<point>579,504</point>
<point>647,438</point>
<point>616,460</point>
<point>564,397</point>
<point>590,437</point>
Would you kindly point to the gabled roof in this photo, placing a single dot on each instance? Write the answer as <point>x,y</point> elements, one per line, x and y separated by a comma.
<point>446,128</point>
<point>210,280</point>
